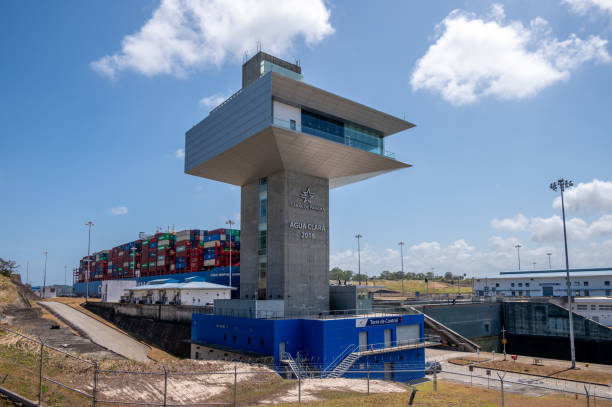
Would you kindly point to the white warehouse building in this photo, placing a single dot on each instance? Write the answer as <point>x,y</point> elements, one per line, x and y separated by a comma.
<point>596,282</point>
<point>192,293</point>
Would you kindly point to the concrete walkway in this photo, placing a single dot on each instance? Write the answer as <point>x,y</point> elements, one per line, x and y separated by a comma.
<point>100,333</point>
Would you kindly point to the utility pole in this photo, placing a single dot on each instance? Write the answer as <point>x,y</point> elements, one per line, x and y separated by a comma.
<point>42,294</point>
<point>518,252</point>
<point>89,225</point>
<point>562,184</point>
<point>401,245</point>
<point>358,236</point>
<point>65,268</point>
<point>230,223</point>
<point>549,264</point>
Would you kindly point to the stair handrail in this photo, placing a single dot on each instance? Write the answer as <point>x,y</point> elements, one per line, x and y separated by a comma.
<point>338,359</point>
<point>292,364</point>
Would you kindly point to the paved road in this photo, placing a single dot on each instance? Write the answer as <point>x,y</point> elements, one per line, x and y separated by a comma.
<point>99,333</point>
<point>513,382</point>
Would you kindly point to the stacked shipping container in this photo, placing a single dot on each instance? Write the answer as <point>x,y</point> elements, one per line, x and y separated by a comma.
<point>187,251</point>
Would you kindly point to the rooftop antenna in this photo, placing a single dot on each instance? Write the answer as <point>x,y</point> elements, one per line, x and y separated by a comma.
<point>245,57</point>
<point>297,62</point>
<point>258,46</point>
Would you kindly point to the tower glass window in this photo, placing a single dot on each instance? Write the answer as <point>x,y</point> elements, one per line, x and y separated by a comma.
<point>350,134</point>
<point>262,248</point>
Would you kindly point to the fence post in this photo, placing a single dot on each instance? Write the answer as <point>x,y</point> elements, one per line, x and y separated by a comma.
<point>40,383</point>
<point>165,386</point>
<point>95,384</point>
<point>235,385</point>
<point>501,379</point>
<point>299,388</point>
<point>586,391</point>
<point>435,379</point>
<point>368,379</point>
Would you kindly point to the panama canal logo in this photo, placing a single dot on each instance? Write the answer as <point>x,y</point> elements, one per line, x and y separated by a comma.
<point>305,201</point>
<point>307,196</point>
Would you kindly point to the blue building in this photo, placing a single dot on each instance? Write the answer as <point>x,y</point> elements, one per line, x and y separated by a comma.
<point>390,347</point>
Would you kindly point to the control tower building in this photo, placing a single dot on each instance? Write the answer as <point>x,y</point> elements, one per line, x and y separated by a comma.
<point>286,144</point>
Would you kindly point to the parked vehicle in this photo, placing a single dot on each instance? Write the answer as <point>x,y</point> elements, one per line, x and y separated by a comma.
<point>432,367</point>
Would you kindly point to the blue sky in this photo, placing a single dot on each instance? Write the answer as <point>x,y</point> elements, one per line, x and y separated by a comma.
<point>507,97</point>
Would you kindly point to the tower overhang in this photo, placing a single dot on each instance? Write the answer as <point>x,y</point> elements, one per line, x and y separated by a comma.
<point>278,149</point>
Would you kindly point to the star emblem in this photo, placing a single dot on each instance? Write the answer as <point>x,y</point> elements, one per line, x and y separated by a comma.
<point>307,196</point>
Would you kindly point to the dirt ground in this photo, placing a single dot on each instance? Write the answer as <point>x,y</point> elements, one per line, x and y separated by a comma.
<point>313,389</point>
<point>448,395</point>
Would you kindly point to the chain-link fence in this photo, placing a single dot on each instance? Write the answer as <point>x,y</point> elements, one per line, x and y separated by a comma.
<point>50,376</point>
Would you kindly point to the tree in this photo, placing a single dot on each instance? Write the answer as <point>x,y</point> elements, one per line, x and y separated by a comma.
<point>336,274</point>
<point>7,267</point>
<point>448,275</point>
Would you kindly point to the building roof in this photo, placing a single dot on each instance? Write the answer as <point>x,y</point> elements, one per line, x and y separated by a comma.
<point>593,299</point>
<point>303,94</point>
<point>583,270</point>
<point>194,285</point>
<point>550,274</point>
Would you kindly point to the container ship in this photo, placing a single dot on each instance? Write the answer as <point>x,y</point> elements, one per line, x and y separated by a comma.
<point>175,255</point>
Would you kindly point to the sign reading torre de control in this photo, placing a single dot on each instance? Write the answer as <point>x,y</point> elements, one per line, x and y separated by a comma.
<point>286,143</point>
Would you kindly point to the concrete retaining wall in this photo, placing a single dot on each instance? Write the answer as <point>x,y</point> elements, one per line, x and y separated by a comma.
<point>469,320</point>
<point>165,326</point>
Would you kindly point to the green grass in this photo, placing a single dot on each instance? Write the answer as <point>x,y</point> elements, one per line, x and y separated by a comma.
<point>410,286</point>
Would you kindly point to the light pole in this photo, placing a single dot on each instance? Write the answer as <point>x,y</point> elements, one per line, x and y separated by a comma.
<point>42,294</point>
<point>89,225</point>
<point>27,272</point>
<point>401,245</point>
<point>65,268</point>
<point>562,184</point>
<point>549,264</point>
<point>503,331</point>
<point>358,236</point>
<point>230,223</point>
<point>534,264</point>
<point>518,253</point>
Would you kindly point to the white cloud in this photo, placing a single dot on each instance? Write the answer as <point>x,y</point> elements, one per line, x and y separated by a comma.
<point>180,153</point>
<point>519,222</point>
<point>477,57</point>
<point>459,257</point>
<point>183,35</point>
<point>119,210</point>
<point>594,196</point>
<point>213,101</point>
<point>583,6</point>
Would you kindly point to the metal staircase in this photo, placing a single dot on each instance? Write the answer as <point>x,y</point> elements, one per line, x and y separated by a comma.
<point>343,366</point>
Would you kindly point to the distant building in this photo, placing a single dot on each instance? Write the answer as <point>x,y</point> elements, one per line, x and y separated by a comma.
<point>194,293</point>
<point>49,291</point>
<point>114,290</point>
<point>595,282</point>
<point>599,309</point>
